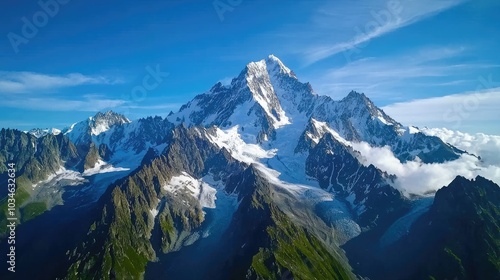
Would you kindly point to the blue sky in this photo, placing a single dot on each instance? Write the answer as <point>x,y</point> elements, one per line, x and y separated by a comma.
<point>433,63</point>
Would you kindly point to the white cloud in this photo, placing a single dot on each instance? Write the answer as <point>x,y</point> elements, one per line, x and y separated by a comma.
<point>25,82</point>
<point>470,112</point>
<point>367,20</point>
<point>419,178</point>
<point>54,104</point>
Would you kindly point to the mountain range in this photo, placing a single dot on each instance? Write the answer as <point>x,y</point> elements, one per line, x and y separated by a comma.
<point>258,179</point>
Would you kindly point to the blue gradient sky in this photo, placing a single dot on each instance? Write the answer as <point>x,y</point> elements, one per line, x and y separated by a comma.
<point>433,63</point>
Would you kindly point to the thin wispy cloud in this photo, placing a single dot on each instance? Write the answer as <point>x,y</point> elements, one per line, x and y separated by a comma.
<point>472,111</point>
<point>363,22</point>
<point>382,76</point>
<point>26,82</point>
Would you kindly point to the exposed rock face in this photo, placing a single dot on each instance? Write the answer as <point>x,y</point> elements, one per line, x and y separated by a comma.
<point>459,237</point>
<point>82,132</point>
<point>36,158</point>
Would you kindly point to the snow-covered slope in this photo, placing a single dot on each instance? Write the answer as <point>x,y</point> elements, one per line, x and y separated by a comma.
<point>198,189</point>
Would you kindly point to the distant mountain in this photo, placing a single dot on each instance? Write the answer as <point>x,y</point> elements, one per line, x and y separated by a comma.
<point>35,159</point>
<point>38,132</point>
<point>267,96</point>
<point>119,140</point>
<point>82,132</point>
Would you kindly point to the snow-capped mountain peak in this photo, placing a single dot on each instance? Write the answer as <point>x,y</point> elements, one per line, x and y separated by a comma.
<point>358,102</point>
<point>275,66</point>
<point>252,101</point>
<point>38,132</point>
<point>258,80</point>
<point>355,95</point>
<point>271,66</point>
<point>266,97</point>
<point>103,121</point>
<point>83,131</point>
